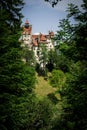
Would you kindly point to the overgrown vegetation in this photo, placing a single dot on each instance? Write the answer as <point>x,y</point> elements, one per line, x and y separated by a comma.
<point>72,44</point>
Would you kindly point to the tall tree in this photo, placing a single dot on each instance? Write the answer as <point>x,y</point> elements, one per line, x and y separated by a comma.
<point>16,78</point>
<point>43,59</point>
<point>76,85</point>
<point>29,57</point>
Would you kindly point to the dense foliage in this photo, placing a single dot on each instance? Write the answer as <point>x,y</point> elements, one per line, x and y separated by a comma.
<point>16,78</point>
<point>19,108</point>
<point>73,46</point>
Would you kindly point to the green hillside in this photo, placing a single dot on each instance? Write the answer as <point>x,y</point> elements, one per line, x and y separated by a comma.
<point>43,88</point>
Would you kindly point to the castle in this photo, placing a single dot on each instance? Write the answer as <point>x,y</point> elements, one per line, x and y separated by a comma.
<point>34,41</point>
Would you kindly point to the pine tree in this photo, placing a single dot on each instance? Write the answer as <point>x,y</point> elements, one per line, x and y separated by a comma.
<point>16,78</point>
<point>75,92</point>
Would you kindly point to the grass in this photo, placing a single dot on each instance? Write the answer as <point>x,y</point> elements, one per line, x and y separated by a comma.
<point>43,88</point>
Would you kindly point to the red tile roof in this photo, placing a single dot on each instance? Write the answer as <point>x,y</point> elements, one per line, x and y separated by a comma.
<point>43,37</point>
<point>35,43</point>
<point>35,36</point>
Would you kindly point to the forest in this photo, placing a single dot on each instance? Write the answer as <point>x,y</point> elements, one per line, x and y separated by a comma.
<point>65,106</point>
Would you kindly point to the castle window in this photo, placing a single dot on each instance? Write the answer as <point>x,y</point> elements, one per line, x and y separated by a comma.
<point>38,53</point>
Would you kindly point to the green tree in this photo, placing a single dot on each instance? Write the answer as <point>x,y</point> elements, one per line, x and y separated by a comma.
<point>56,60</point>
<point>43,55</point>
<point>43,59</point>
<point>57,79</point>
<point>16,78</point>
<point>75,90</point>
<point>29,56</point>
<point>41,116</point>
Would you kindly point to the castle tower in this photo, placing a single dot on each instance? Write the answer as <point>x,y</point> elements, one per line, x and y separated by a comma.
<point>27,34</point>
